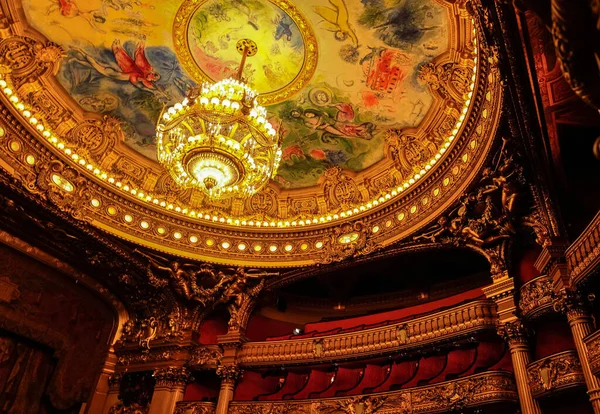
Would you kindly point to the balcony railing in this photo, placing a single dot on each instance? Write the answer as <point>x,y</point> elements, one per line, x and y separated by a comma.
<point>438,327</point>
<point>536,297</point>
<point>592,343</point>
<point>583,256</point>
<point>555,373</point>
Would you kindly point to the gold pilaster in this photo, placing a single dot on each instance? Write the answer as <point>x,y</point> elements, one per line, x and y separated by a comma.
<point>516,336</point>
<point>574,306</point>
<point>229,375</point>
<point>169,389</point>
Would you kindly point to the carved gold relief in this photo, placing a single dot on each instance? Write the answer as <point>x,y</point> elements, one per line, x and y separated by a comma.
<point>447,396</point>
<point>555,372</point>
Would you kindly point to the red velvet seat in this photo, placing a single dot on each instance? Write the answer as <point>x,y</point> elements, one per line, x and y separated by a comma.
<point>345,379</point>
<point>293,383</point>
<point>253,384</point>
<point>429,368</point>
<point>318,382</point>
<point>373,377</point>
<point>401,373</point>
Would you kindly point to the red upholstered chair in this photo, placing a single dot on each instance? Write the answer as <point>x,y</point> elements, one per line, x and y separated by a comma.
<point>373,377</point>
<point>429,368</point>
<point>318,382</point>
<point>459,361</point>
<point>254,384</point>
<point>488,355</point>
<point>293,383</point>
<point>345,379</point>
<point>401,373</point>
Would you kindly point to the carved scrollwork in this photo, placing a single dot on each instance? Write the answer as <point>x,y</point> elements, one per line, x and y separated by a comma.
<point>172,377</point>
<point>229,373</point>
<point>263,204</point>
<point>61,185</point>
<point>205,356</point>
<point>450,80</point>
<point>573,303</point>
<point>448,396</point>
<point>96,136</point>
<point>347,240</point>
<point>558,371</point>
<point>340,190</point>
<point>514,333</point>
<point>194,407</point>
<point>408,152</point>
<point>536,297</point>
<point>27,59</point>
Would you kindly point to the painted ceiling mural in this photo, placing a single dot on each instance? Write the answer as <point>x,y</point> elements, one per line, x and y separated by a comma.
<point>336,74</point>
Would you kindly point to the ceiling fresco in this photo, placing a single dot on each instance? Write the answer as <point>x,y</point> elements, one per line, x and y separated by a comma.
<point>388,109</point>
<point>335,74</point>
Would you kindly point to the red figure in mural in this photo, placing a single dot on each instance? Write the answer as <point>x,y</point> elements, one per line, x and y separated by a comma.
<point>137,70</point>
<point>69,9</point>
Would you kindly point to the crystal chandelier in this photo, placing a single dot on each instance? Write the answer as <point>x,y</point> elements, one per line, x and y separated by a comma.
<point>218,139</point>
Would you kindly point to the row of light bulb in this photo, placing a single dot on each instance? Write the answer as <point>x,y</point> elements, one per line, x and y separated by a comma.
<point>237,222</point>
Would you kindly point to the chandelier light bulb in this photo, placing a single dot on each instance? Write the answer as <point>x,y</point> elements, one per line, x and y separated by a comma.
<point>219,139</point>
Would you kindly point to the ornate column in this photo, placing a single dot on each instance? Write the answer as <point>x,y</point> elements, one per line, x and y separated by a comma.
<point>229,375</point>
<point>112,396</point>
<point>516,335</point>
<point>574,306</point>
<point>169,389</point>
<point>106,393</point>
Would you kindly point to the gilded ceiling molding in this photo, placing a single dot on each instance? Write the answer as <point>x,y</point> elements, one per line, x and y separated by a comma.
<point>438,328</point>
<point>72,158</point>
<point>456,395</point>
<point>555,373</point>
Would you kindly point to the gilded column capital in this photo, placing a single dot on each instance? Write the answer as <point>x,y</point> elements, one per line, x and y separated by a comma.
<point>515,333</point>
<point>172,377</point>
<point>573,304</point>
<point>114,381</point>
<point>229,373</point>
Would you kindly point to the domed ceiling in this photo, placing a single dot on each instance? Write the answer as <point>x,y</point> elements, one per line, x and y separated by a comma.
<point>385,106</point>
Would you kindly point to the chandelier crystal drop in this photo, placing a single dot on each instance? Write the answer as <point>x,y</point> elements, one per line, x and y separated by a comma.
<point>218,139</point>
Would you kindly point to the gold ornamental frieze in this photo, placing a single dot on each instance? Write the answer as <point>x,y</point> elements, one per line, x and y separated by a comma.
<point>449,396</point>
<point>555,373</point>
<point>78,161</point>
<point>536,297</point>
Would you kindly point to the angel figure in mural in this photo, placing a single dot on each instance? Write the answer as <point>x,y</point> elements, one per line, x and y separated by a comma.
<point>337,20</point>
<point>138,71</point>
<point>70,9</point>
<point>321,121</point>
